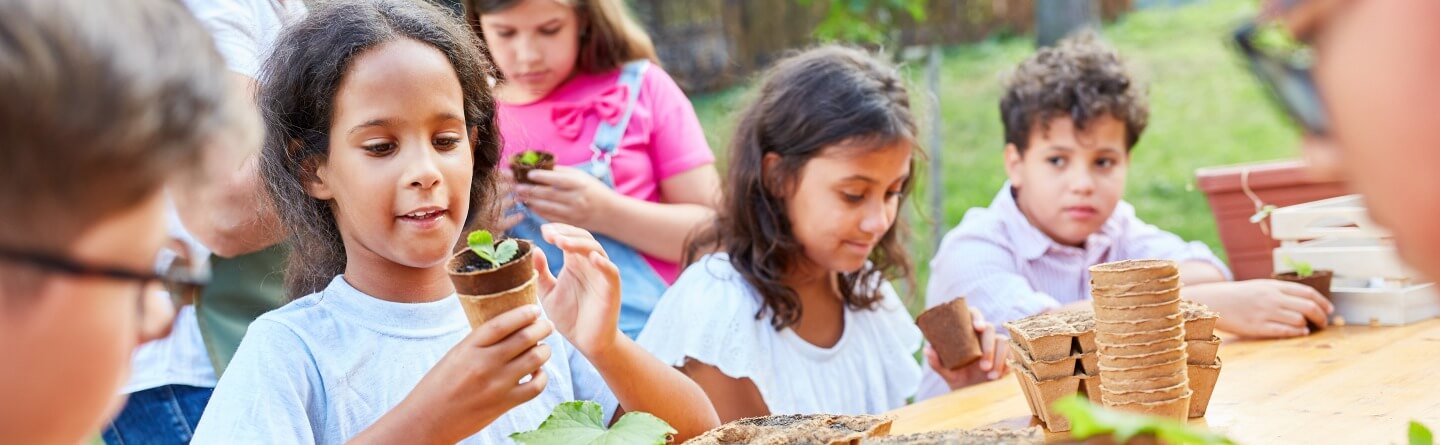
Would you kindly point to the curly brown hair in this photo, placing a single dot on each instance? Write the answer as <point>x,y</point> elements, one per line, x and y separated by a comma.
<point>298,85</point>
<point>1083,79</point>
<point>821,98</point>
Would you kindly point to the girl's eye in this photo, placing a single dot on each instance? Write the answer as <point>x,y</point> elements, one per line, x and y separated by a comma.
<point>1055,161</point>
<point>505,34</point>
<point>852,198</point>
<point>1104,162</point>
<point>447,143</point>
<point>380,149</point>
<point>892,194</point>
<point>550,31</point>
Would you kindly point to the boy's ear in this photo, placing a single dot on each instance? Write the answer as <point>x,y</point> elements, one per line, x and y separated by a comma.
<point>1013,165</point>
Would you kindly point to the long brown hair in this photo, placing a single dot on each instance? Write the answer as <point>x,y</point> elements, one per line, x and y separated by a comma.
<point>822,98</point>
<point>298,86</point>
<point>609,35</point>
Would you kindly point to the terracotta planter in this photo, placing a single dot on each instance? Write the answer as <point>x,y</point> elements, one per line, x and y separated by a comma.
<point>522,171</point>
<point>486,293</point>
<point>949,329</point>
<point>1281,184</point>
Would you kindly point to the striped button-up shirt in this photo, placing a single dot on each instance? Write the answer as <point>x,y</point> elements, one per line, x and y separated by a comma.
<point>1008,269</point>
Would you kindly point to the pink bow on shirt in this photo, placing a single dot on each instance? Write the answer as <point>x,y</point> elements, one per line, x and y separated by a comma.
<point>609,105</point>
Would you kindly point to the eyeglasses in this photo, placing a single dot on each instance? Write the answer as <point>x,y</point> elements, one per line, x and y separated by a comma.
<point>1284,65</point>
<point>181,277</point>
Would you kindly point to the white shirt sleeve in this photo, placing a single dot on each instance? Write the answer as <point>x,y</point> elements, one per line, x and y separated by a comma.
<point>236,29</point>
<point>270,393</point>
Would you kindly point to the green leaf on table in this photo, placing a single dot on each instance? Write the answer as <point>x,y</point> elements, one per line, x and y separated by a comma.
<point>580,423</point>
<point>1420,435</point>
<point>1087,420</point>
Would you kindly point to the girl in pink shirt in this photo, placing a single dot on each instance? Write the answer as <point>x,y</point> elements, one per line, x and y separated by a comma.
<point>578,80</point>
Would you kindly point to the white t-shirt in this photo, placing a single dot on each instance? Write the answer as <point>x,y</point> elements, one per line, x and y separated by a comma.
<point>245,30</point>
<point>709,315</point>
<point>180,358</point>
<point>325,367</point>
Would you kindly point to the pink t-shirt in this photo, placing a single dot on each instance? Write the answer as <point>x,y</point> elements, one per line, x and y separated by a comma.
<point>663,138</point>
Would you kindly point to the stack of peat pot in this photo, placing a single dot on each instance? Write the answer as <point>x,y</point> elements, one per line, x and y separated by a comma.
<point>1140,333</point>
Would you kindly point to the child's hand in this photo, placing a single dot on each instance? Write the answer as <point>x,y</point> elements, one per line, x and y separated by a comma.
<point>585,300</point>
<point>567,195</point>
<point>991,366</point>
<point>506,188</point>
<point>478,380</point>
<point>1264,308</point>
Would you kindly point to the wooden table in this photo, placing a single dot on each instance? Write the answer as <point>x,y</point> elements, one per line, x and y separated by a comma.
<point>1343,385</point>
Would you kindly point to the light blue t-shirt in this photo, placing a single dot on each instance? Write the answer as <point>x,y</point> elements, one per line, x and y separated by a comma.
<point>325,367</point>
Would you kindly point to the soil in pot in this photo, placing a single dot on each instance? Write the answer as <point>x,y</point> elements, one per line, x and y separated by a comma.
<point>537,160</point>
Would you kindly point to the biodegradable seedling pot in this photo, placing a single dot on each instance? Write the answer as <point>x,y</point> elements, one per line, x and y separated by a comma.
<point>1145,359</point>
<point>1136,298</point>
<point>829,429</point>
<point>1137,312</point>
<point>1110,338</point>
<point>1129,272</point>
<point>1162,284</point>
<point>1177,408</point>
<point>1054,340</point>
<point>544,161</point>
<point>1132,349</point>
<point>486,291</point>
<point>1202,384</point>
<point>1143,372</point>
<point>949,329</point>
<point>1202,352</point>
<point>1149,395</point>
<point>1090,385</point>
<point>1046,370</point>
<point>1136,326</point>
<point>1318,280</point>
<point>1043,393</point>
<point>1167,381</point>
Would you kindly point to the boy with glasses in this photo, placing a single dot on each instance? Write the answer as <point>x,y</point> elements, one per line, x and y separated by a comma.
<point>100,102</point>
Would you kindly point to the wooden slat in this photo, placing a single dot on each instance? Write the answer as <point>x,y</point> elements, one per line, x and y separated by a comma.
<point>1353,384</point>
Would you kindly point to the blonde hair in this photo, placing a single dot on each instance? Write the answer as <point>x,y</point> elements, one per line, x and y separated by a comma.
<point>609,35</point>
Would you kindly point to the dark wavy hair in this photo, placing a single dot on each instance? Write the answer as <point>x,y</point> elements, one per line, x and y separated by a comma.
<point>1083,79</point>
<point>609,35</point>
<point>297,93</point>
<point>821,98</point>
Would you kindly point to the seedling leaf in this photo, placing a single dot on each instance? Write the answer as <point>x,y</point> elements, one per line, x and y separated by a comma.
<point>579,422</point>
<point>483,244</point>
<point>1420,435</point>
<point>1302,268</point>
<point>1088,420</point>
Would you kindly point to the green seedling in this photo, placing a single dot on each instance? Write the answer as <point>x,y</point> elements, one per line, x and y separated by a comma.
<point>1087,420</point>
<point>530,157</point>
<point>1302,269</point>
<point>580,423</point>
<point>483,244</point>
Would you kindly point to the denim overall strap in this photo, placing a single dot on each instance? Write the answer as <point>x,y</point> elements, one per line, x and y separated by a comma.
<point>640,286</point>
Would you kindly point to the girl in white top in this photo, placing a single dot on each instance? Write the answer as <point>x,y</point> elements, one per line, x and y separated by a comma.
<point>381,147</point>
<point>793,313</point>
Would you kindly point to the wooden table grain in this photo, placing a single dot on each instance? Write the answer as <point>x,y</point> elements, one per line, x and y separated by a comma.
<point>1343,385</point>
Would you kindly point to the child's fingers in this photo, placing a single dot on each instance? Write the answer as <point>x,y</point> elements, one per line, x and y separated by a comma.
<point>571,239</point>
<point>525,391</point>
<point>503,325</point>
<point>606,267</point>
<point>1309,293</point>
<point>1282,315</point>
<point>545,280</point>
<point>526,363</point>
<point>1002,353</point>
<point>1272,329</point>
<point>522,340</point>
<point>1309,309</point>
<point>987,347</point>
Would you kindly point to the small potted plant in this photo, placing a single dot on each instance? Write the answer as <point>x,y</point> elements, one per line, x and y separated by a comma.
<point>1306,274</point>
<point>521,164</point>
<point>491,276</point>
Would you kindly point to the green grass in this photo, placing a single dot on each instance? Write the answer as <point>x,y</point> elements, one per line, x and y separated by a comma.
<point>1206,110</point>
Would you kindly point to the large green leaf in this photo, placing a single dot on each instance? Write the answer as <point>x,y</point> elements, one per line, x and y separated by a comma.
<point>1088,420</point>
<point>579,423</point>
<point>1420,435</point>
